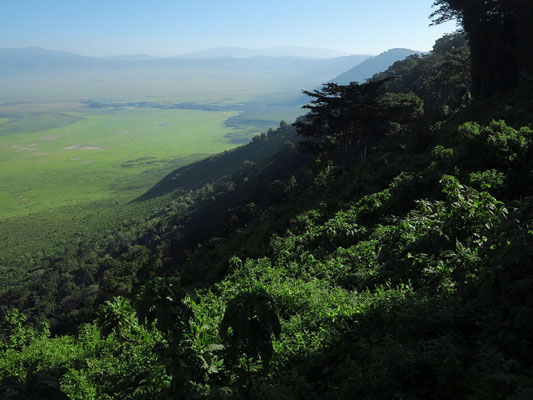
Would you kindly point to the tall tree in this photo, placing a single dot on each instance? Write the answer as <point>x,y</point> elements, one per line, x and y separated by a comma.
<point>501,40</point>
<point>247,328</point>
<point>346,120</point>
<point>160,304</point>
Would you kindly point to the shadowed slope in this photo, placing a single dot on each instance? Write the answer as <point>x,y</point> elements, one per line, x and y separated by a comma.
<point>197,174</point>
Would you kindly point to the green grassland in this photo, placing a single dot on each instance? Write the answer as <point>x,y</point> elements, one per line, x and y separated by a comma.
<point>97,155</point>
<point>69,171</point>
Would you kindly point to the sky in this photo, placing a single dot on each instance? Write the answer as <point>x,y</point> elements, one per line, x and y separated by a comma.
<point>173,27</point>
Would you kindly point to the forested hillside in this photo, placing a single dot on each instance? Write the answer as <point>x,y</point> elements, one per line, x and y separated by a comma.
<point>379,248</point>
<point>369,67</point>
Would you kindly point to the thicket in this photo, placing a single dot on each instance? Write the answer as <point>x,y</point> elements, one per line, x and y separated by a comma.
<point>396,266</point>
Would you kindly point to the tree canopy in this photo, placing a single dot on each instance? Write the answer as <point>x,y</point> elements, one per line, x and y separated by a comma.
<point>345,121</point>
<point>501,40</point>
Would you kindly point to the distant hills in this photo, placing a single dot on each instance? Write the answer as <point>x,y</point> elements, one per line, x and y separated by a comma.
<point>368,68</point>
<point>130,57</point>
<point>33,59</point>
<point>14,62</point>
<point>218,52</point>
<point>279,51</point>
<point>39,74</point>
<point>34,73</point>
<point>362,71</point>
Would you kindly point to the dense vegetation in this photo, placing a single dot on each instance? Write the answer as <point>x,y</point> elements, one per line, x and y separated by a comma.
<point>500,35</point>
<point>378,254</point>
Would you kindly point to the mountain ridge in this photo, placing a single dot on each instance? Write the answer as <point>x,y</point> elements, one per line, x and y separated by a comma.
<point>374,65</point>
<point>216,52</point>
<point>277,51</point>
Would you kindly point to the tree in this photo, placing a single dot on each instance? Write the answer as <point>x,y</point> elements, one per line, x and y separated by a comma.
<point>160,302</point>
<point>247,327</point>
<point>15,335</point>
<point>117,316</point>
<point>440,78</point>
<point>500,33</point>
<point>346,120</point>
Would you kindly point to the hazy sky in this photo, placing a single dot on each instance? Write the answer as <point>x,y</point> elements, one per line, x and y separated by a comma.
<point>172,27</point>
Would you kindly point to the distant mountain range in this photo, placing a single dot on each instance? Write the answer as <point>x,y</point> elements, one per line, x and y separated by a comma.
<point>35,59</point>
<point>39,74</point>
<point>130,57</point>
<point>218,52</point>
<point>364,70</point>
<point>279,51</point>
<point>368,68</point>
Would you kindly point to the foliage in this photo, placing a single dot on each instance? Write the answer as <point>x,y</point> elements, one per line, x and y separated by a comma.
<point>14,335</point>
<point>500,34</point>
<point>246,329</point>
<point>249,322</point>
<point>160,303</point>
<point>440,78</point>
<point>37,386</point>
<point>497,142</point>
<point>346,120</point>
<point>117,316</point>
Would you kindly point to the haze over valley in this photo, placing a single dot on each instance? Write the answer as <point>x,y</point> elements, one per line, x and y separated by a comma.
<point>67,120</point>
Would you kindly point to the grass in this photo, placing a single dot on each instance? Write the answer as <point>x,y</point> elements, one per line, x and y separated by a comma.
<point>99,155</point>
<point>69,172</point>
<point>34,122</point>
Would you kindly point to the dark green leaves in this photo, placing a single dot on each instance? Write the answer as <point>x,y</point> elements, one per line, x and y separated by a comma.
<point>160,303</point>
<point>117,316</point>
<point>38,386</point>
<point>345,121</point>
<point>249,322</point>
